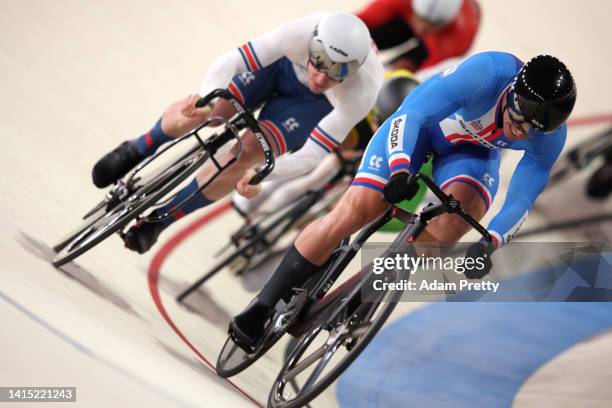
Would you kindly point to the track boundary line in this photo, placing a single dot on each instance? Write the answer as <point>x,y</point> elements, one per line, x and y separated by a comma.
<point>153,279</point>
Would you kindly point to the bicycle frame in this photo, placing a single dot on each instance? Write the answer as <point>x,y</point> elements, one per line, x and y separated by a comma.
<point>243,120</point>
<point>294,213</point>
<point>415,225</point>
<point>303,307</point>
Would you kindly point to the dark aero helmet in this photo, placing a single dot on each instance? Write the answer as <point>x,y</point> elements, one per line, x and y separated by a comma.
<point>398,84</point>
<point>543,93</point>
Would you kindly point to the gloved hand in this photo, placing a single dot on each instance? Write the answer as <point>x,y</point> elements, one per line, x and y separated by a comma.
<point>479,250</point>
<point>397,188</point>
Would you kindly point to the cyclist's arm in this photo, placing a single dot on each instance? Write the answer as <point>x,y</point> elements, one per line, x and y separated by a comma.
<point>260,52</point>
<point>434,100</point>
<point>528,181</point>
<point>324,138</point>
<point>352,101</point>
<point>284,192</point>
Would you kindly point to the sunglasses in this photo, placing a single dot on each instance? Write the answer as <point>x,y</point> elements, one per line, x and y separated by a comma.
<point>518,120</point>
<point>336,71</point>
<point>323,68</point>
<point>515,115</point>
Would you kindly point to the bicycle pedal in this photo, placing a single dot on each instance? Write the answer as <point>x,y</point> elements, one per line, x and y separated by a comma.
<point>247,348</point>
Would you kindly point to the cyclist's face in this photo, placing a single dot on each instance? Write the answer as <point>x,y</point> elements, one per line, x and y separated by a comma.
<point>319,82</point>
<point>512,131</point>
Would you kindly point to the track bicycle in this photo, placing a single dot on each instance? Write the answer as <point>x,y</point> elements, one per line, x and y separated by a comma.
<point>128,198</point>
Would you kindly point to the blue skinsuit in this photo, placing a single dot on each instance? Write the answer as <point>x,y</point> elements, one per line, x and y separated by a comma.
<point>457,116</point>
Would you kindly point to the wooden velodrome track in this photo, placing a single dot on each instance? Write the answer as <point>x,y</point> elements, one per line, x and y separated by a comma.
<point>78,77</point>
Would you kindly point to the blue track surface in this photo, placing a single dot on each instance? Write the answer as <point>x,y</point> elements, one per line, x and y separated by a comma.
<point>468,354</point>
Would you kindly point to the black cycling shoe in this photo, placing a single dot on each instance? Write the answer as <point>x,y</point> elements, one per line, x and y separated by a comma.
<point>247,328</point>
<point>116,164</point>
<point>142,236</point>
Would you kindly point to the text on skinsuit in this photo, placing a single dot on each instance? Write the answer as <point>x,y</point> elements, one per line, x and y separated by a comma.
<point>396,134</point>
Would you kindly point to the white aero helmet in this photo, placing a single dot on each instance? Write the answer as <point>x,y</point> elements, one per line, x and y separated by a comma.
<point>340,43</point>
<point>437,12</point>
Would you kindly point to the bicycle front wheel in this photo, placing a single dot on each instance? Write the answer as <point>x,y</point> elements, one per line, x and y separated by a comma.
<point>232,359</point>
<point>331,344</point>
<point>147,193</point>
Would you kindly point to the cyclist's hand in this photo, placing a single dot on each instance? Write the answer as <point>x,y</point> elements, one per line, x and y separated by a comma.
<point>479,268</point>
<point>189,109</point>
<point>398,189</point>
<point>244,188</point>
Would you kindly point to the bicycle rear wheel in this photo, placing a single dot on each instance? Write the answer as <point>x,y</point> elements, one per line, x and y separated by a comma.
<point>318,359</point>
<point>147,192</point>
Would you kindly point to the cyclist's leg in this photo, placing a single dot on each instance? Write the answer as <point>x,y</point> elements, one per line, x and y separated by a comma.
<point>360,204</point>
<point>287,121</point>
<point>471,175</point>
<point>283,120</point>
<point>289,113</point>
<point>357,207</point>
<point>251,88</point>
<point>173,123</point>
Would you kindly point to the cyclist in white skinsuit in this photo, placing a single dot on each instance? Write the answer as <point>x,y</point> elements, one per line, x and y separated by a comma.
<point>315,76</point>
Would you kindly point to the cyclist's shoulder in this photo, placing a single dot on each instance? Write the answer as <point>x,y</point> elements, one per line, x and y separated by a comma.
<point>488,64</point>
<point>482,77</point>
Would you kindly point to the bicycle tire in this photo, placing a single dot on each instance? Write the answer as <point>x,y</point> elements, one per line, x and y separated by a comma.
<point>225,371</point>
<point>139,201</point>
<point>307,338</point>
<point>87,222</point>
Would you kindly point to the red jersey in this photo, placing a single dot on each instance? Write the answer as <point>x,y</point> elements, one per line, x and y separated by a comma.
<point>451,40</point>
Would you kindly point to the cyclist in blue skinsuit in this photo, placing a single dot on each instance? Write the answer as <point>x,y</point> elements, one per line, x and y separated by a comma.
<point>464,116</point>
<point>457,115</point>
